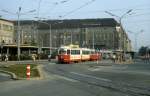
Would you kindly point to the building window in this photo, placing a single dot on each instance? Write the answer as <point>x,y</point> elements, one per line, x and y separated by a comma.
<point>7,27</point>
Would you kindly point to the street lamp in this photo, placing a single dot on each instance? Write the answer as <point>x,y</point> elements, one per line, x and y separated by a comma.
<point>18,26</point>
<point>50,39</point>
<point>93,33</point>
<point>135,37</point>
<point>148,52</point>
<point>71,37</point>
<point>120,22</point>
<point>18,33</point>
<point>39,19</point>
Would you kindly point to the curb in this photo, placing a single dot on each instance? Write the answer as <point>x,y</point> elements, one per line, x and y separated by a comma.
<point>13,76</point>
<point>39,68</point>
<point>127,62</point>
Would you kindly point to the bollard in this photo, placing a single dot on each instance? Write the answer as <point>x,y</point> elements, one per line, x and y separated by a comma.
<point>28,72</point>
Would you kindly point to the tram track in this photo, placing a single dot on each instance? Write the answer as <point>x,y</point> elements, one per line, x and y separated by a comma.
<point>131,90</point>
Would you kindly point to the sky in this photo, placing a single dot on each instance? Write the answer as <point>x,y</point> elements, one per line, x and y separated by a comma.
<point>138,19</point>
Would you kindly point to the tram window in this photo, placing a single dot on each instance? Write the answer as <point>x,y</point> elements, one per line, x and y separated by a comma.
<point>68,51</point>
<point>78,51</point>
<point>92,52</point>
<point>85,52</point>
<point>62,51</point>
<point>75,52</point>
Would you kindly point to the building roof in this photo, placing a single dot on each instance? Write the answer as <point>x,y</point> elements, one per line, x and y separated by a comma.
<point>6,20</point>
<point>72,23</point>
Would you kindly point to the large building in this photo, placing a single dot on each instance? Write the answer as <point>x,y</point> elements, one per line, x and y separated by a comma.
<point>6,32</point>
<point>103,33</point>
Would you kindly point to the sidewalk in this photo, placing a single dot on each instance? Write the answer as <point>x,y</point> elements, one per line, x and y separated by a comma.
<point>23,61</point>
<point>112,62</point>
<point>105,61</point>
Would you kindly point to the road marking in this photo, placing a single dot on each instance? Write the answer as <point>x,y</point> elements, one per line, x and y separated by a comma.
<point>95,69</point>
<point>51,63</point>
<point>89,76</point>
<point>66,78</point>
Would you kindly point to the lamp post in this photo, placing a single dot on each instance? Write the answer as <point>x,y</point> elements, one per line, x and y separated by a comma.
<point>93,34</point>
<point>18,34</point>
<point>50,39</point>
<point>120,22</point>
<point>93,40</point>
<point>148,53</point>
<point>71,37</point>
<point>135,37</point>
<point>18,27</point>
<point>124,33</point>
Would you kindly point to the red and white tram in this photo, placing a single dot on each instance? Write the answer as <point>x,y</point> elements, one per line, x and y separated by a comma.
<point>95,55</point>
<point>67,54</point>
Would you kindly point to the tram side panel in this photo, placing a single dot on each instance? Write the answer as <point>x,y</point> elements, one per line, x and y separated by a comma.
<point>85,56</point>
<point>75,55</point>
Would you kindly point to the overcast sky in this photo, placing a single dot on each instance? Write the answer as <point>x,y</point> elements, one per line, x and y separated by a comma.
<point>138,20</point>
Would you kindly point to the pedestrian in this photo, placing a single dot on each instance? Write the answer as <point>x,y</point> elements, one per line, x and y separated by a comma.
<point>0,57</point>
<point>34,56</point>
<point>114,58</point>
<point>49,57</point>
<point>3,57</point>
<point>6,57</point>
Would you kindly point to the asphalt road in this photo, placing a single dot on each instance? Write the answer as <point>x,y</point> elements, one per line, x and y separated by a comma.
<point>86,79</point>
<point>4,77</point>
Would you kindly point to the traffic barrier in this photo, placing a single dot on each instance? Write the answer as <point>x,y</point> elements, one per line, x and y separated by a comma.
<point>28,72</point>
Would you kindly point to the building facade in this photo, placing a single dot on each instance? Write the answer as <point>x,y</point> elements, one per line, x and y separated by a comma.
<point>103,33</point>
<point>6,32</point>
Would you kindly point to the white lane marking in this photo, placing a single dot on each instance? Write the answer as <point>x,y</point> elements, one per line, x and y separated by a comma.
<point>101,68</point>
<point>65,78</point>
<point>51,63</point>
<point>96,69</point>
<point>89,76</point>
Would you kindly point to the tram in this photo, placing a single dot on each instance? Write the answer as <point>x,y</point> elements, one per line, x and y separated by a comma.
<point>69,54</point>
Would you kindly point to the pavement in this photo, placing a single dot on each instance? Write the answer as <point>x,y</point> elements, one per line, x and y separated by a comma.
<point>5,77</point>
<point>103,78</point>
<point>23,61</point>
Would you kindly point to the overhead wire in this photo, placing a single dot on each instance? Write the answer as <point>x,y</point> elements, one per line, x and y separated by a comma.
<point>84,5</point>
<point>54,5</point>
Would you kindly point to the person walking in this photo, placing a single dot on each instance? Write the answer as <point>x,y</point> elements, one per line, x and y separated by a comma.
<point>6,57</point>
<point>114,58</point>
<point>0,57</point>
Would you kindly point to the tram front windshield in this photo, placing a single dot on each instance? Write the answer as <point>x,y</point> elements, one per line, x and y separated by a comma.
<point>62,51</point>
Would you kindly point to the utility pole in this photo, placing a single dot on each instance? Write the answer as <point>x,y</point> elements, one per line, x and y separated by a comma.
<point>18,27</point>
<point>121,27</point>
<point>93,40</point>
<point>50,33</point>
<point>120,22</point>
<point>135,38</point>
<point>50,39</point>
<point>18,34</point>
<point>71,37</point>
